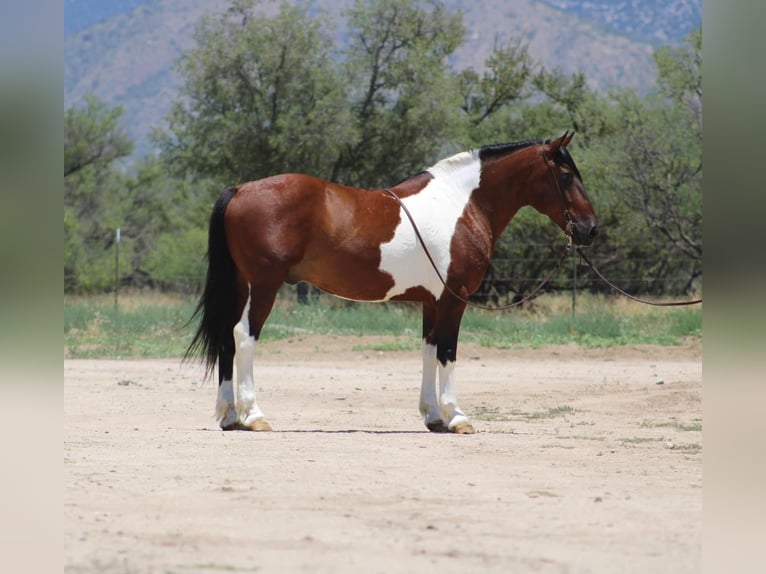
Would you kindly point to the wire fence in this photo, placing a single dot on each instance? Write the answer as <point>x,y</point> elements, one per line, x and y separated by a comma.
<point>507,280</point>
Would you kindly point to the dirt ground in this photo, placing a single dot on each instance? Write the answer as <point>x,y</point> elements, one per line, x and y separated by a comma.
<point>583,461</point>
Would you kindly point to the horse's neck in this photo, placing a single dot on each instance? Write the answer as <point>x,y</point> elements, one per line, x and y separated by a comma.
<point>503,192</point>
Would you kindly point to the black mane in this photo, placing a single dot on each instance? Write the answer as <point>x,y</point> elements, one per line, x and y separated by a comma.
<point>495,150</point>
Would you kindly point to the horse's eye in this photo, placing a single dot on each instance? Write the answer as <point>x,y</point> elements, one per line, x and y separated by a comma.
<point>566,178</point>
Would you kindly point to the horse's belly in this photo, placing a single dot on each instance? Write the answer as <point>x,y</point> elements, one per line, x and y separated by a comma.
<point>408,265</point>
<point>394,273</point>
<point>344,276</point>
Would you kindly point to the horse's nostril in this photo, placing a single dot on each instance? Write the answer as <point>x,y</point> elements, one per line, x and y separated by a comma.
<point>593,232</point>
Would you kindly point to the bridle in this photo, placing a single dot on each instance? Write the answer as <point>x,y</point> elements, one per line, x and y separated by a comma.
<point>568,247</point>
<point>567,217</point>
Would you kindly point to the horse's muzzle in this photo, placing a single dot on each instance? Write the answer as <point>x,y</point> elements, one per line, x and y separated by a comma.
<point>584,232</point>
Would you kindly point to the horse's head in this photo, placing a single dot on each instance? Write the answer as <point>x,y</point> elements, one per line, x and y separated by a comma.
<point>561,195</point>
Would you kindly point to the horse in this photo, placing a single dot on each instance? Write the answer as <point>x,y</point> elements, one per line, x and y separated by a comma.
<point>357,244</point>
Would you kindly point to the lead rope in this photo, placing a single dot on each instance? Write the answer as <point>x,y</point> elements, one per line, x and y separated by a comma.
<point>633,297</point>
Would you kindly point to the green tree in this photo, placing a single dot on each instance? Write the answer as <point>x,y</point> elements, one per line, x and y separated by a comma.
<point>658,168</point>
<point>679,72</point>
<point>401,89</point>
<point>647,166</point>
<point>492,100</point>
<point>93,141</point>
<point>150,206</point>
<point>162,218</point>
<point>93,136</point>
<point>260,96</point>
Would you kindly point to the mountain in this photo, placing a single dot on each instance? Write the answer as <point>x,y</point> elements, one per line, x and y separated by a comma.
<point>656,21</point>
<point>124,50</point>
<point>81,14</point>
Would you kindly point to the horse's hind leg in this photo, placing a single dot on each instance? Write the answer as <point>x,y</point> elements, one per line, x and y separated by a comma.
<point>225,410</point>
<point>246,333</point>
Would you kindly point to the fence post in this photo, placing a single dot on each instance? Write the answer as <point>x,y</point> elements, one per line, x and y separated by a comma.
<point>574,287</point>
<point>116,266</point>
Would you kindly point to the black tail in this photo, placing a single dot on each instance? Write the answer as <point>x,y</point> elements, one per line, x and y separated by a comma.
<point>217,302</point>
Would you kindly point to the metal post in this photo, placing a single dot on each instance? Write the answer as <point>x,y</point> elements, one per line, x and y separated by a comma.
<point>574,287</point>
<point>116,266</point>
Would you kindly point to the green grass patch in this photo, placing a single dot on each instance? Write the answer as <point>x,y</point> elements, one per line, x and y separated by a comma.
<point>598,324</point>
<point>552,413</point>
<point>580,437</point>
<point>694,447</point>
<point>492,413</point>
<point>695,425</point>
<point>397,344</point>
<point>155,325</point>
<point>640,440</point>
<point>95,328</point>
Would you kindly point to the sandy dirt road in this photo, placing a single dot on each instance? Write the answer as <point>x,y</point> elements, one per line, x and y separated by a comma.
<point>583,461</point>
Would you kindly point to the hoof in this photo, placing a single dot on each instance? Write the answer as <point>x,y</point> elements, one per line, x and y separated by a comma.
<point>463,428</point>
<point>236,425</point>
<point>257,425</point>
<point>437,426</point>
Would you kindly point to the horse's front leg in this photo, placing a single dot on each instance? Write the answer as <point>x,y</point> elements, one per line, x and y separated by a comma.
<point>457,421</point>
<point>429,396</point>
<point>439,408</point>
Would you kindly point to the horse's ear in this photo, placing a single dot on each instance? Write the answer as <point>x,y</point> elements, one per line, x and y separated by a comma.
<point>554,145</point>
<point>567,137</point>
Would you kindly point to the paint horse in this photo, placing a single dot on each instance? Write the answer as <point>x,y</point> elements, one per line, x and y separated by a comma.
<point>361,245</point>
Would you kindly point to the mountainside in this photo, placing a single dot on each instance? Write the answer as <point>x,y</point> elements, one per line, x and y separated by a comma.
<point>127,57</point>
<point>655,21</point>
<point>81,14</point>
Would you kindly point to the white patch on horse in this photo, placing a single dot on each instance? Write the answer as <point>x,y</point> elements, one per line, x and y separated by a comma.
<point>439,403</point>
<point>225,412</point>
<point>244,352</point>
<point>436,210</point>
<point>429,400</point>
<point>450,411</point>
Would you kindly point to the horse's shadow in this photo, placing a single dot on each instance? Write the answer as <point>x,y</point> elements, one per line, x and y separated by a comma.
<point>334,431</point>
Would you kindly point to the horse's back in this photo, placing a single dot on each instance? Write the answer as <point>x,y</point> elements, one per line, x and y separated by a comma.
<point>293,201</point>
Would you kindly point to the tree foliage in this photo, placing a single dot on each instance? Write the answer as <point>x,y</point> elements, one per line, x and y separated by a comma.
<point>93,141</point>
<point>400,88</point>
<point>258,93</point>
<point>149,206</point>
<point>93,136</point>
<point>653,177</point>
